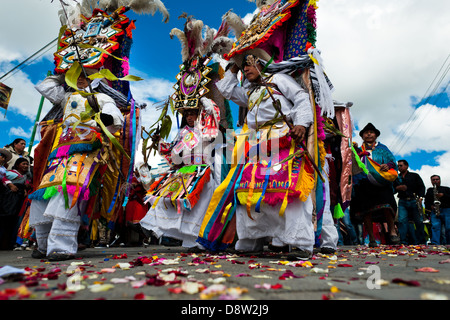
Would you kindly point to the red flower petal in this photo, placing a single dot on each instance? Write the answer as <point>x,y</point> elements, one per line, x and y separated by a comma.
<point>276,286</point>
<point>345,265</point>
<point>139,296</point>
<point>412,283</point>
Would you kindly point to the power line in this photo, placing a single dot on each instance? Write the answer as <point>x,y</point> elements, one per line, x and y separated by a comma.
<point>424,117</point>
<point>23,63</point>
<point>410,120</point>
<point>404,137</point>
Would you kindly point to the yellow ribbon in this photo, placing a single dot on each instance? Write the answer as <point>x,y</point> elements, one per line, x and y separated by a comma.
<point>77,191</point>
<point>217,195</point>
<point>251,188</point>
<point>225,213</point>
<point>285,200</point>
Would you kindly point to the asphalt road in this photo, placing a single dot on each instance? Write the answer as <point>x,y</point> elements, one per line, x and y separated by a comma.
<point>191,281</point>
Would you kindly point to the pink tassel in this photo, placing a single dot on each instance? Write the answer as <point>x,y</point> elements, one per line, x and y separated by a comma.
<point>71,190</point>
<point>125,66</point>
<point>63,151</point>
<point>311,15</point>
<point>320,125</point>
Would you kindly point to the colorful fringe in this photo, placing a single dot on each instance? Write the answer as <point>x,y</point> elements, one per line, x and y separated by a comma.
<point>216,231</point>
<point>187,201</point>
<point>303,33</point>
<point>74,148</point>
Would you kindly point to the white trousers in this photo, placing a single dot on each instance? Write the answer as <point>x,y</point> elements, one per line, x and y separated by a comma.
<point>56,228</point>
<point>294,228</point>
<point>164,220</point>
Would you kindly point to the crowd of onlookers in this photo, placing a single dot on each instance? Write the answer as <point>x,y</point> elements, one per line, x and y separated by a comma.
<point>16,176</point>
<point>422,215</point>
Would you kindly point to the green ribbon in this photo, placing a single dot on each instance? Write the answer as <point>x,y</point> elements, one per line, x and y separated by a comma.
<point>110,136</point>
<point>359,162</point>
<point>64,185</point>
<point>338,213</point>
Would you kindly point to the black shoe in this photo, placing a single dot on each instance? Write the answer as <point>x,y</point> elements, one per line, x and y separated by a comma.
<point>327,250</point>
<point>136,227</point>
<point>300,254</point>
<point>55,256</point>
<point>195,250</point>
<point>373,244</point>
<point>278,248</point>
<point>170,242</point>
<point>395,240</point>
<point>36,254</point>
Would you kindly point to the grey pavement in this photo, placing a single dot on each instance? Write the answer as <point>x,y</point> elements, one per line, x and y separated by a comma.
<point>171,273</point>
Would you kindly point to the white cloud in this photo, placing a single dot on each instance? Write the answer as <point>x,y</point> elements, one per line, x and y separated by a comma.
<point>19,131</point>
<point>428,130</point>
<point>382,56</point>
<point>442,169</point>
<point>33,25</point>
<point>25,99</point>
<point>379,54</point>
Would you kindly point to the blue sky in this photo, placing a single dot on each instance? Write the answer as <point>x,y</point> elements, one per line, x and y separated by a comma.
<point>383,56</point>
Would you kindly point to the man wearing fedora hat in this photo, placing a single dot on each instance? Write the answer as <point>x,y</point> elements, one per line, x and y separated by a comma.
<point>370,127</point>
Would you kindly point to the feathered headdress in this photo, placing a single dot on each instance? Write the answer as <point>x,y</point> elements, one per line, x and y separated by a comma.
<point>191,38</point>
<point>196,42</point>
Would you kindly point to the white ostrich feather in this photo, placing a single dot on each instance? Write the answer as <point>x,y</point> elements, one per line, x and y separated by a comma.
<point>108,5</point>
<point>260,3</point>
<point>235,22</point>
<point>146,6</point>
<point>222,45</point>
<point>195,28</point>
<point>208,41</point>
<point>184,42</point>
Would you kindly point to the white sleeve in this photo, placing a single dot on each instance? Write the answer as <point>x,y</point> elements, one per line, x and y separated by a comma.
<point>229,88</point>
<point>108,106</point>
<point>301,111</point>
<point>52,89</point>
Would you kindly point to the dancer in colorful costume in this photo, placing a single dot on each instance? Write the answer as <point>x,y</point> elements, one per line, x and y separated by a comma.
<point>88,144</point>
<point>271,197</point>
<point>180,198</point>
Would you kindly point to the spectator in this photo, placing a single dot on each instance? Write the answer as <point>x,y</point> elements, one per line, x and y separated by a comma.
<point>17,149</point>
<point>373,193</point>
<point>411,190</point>
<point>5,157</point>
<point>12,199</point>
<point>437,200</point>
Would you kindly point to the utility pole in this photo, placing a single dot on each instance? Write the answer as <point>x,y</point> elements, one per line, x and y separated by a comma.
<point>38,116</point>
